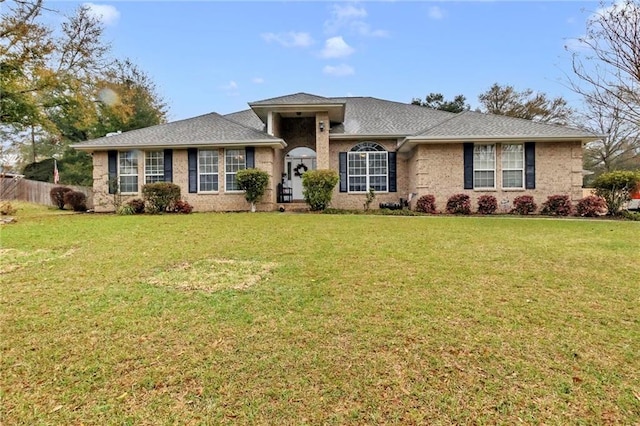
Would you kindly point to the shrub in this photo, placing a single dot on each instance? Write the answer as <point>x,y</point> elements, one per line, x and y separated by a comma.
<point>318,188</point>
<point>6,209</point>
<point>524,204</point>
<point>557,205</point>
<point>635,216</point>
<point>137,205</point>
<point>182,207</point>
<point>426,204</point>
<point>57,195</point>
<point>126,210</point>
<point>616,188</point>
<point>371,195</point>
<point>77,200</point>
<point>591,206</point>
<point>254,184</point>
<point>160,196</point>
<point>487,204</point>
<point>459,204</point>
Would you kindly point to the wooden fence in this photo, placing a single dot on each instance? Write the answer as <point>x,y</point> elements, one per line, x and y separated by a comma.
<point>17,188</point>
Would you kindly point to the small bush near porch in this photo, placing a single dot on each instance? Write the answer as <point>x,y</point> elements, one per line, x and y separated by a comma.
<point>318,319</point>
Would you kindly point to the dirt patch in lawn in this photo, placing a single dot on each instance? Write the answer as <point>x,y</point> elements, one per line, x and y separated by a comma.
<point>210,275</point>
<point>12,259</point>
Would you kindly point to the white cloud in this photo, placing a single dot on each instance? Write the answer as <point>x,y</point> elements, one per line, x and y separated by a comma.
<point>571,20</point>
<point>341,70</point>
<point>257,80</point>
<point>231,86</point>
<point>436,13</point>
<point>351,17</point>
<point>108,14</point>
<point>289,39</point>
<point>336,47</point>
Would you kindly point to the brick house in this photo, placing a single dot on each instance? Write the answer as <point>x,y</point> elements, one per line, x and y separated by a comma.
<point>396,149</point>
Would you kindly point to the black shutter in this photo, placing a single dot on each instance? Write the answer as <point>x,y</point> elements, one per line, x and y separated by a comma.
<point>168,165</point>
<point>530,165</point>
<point>192,155</point>
<point>250,156</point>
<point>342,168</point>
<point>113,171</point>
<point>468,165</point>
<point>393,187</point>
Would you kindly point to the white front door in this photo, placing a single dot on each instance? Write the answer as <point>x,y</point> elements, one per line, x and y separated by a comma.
<point>296,167</point>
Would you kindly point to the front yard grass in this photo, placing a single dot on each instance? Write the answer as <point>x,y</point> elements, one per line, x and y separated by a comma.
<point>318,319</point>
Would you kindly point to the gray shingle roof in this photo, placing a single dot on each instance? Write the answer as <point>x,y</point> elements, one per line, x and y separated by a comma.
<point>202,130</point>
<point>470,124</point>
<point>371,116</point>
<point>296,99</point>
<point>247,118</point>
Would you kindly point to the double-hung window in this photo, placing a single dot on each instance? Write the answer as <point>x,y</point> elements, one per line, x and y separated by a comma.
<point>153,166</point>
<point>128,172</point>
<point>368,167</point>
<point>484,167</point>
<point>234,160</point>
<point>208,170</point>
<point>513,166</point>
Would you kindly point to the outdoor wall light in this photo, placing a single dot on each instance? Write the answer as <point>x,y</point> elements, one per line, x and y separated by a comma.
<point>322,126</point>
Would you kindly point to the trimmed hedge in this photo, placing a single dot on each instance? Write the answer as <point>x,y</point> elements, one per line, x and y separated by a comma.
<point>426,204</point>
<point>57,195</point>
<point>160,196</point>
<point>459,204</point>
<point>77,200</point>
<point>523,205</point>
<point>487,204</point>
<point>557,205</point>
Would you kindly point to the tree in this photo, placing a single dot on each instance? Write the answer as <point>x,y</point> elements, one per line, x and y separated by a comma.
<point>607,64</point>
<point>607,74</point>
<point>437,101</point>
<point>616,188</point>
<point>254,184</point>
<point>620,145</point>
<point>505,100</point>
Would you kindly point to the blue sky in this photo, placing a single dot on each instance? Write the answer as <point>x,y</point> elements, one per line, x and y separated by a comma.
<point>217,56</point>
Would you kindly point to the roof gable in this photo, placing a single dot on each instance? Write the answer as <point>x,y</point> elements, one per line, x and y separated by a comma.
<point>300,98</point>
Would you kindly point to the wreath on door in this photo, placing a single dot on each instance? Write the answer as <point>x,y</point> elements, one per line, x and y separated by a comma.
<point>300,169</point>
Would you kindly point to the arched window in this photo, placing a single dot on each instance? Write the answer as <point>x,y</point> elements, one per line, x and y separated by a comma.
<point>368,167</point>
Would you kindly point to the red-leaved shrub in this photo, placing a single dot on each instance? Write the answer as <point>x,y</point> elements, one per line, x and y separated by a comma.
<point>426,204</point>
<point>487,204</point>
<point>181,206</point>
<point>591,206</point>
<point>524,204</point>
<point>557,205</point>
<point>459,204</point>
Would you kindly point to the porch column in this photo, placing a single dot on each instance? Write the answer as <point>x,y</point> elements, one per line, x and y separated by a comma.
<point>322,140</point>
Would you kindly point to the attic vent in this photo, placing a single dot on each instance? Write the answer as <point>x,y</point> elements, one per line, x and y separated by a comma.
<point>113,133</point>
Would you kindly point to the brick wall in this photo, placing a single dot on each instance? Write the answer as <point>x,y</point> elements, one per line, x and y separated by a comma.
<point>438,169</point>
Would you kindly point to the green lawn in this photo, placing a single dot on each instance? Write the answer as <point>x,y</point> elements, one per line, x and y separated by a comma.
<point>294,319</point>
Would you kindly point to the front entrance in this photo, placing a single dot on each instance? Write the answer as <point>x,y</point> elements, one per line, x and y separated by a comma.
<point>296,163</point>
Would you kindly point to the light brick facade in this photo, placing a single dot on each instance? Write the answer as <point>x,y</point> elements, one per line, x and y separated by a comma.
<point>426,161</point>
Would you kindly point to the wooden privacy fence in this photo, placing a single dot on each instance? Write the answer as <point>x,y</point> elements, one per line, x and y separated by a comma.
<point>17,188</point>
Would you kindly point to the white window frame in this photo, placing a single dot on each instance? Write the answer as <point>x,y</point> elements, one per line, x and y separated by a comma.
<point>230,169</point>
<point>478,169</point>
<point>134,160</point>
<point>511,169</point>
<point>367,150</point>
<point>216,174</point>
<point>153,160</point>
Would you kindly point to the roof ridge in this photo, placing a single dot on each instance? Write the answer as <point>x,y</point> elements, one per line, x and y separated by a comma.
<point>509,117</point>
<point>247,127</point>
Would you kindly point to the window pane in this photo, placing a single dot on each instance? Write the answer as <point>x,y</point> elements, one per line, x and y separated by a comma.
<point>513,156</point>
<point>128,184</point>
<point>483,157</point>
<point>484,179</point>
<point>234,161</point>
<point>208,182</point>
<point>512,179</point>
<point>357,183</point>
<point>378,183</point>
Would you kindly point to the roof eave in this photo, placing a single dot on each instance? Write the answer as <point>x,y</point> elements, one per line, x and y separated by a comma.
<point>409,142</point>
<point>336,109</point>
<point>348,136</point>
<point>269,143</point>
